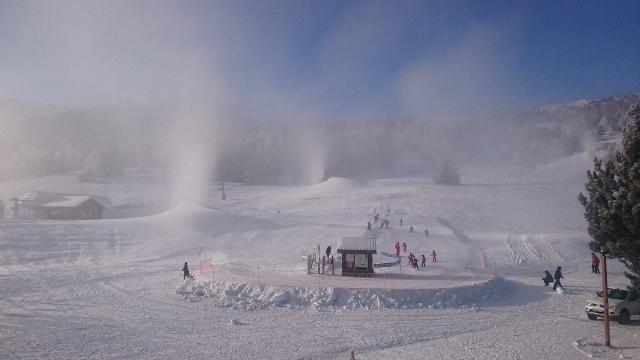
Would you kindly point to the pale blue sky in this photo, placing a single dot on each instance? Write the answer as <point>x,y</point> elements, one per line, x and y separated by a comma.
<point>321,58</point>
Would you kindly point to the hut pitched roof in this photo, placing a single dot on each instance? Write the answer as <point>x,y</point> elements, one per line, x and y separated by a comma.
<point>357,244</point>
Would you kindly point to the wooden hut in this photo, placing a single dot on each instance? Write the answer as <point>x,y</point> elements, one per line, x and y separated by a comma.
<point>46,205</point>
<point>73,207</point>
<point>357,255</point>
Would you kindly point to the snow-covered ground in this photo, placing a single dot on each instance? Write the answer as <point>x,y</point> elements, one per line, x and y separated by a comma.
<point>112,288</point>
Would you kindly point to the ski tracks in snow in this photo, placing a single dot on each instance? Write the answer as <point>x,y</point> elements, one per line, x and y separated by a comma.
<point>532,248</point>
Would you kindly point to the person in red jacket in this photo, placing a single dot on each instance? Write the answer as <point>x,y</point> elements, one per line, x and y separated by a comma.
<point>398,248</point>
<point>595,264</point>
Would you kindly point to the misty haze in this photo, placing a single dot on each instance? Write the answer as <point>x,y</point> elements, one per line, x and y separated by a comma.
<point>319,180</point>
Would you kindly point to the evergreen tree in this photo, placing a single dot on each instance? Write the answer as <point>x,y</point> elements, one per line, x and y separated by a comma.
<point>612,202</point>
<point>446,175</point>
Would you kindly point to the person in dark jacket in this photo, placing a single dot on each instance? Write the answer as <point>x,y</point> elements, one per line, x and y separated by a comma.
<point>547,278</point>
<point>424,261</point>
<point>557,276</point>
<point>328,251</point>
<point>185,270</point>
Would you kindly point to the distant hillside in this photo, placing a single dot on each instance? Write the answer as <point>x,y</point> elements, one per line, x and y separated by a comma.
<point>39,139</point>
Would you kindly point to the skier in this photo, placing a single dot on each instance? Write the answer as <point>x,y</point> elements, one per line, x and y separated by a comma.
<point>547,278</point>
<point>595,264</point>
<point>387,223</point>
<point>404,247</point>
<point>185,271</point>
<point>410,259</point>
<point>328,251</point>
<point>400,221</point>
<point>557,276</point>
<point>375,218</point>
<point>424,261</point>
<point>433,256</point>
<point>426,232</point>
<point>415,262</point>
<point>398,248</point>
<point>369,225</point>
<point>411,228</point>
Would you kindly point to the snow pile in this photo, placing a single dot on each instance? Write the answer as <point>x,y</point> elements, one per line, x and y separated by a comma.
<point>251,296</point>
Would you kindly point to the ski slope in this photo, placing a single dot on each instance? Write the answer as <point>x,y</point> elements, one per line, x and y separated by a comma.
<point>112,288</point>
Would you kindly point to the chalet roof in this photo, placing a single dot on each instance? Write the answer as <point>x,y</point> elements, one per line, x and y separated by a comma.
<point>48,199</point>
<point>69,201</point>
<point>357,243</point>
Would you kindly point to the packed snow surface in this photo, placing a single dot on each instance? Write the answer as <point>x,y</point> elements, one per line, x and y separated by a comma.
<point>113,289</point>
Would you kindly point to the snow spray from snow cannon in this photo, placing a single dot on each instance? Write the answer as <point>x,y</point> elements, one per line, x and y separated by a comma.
<point>193,158</point>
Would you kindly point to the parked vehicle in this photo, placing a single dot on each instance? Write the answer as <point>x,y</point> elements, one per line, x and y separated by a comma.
<point>622,305</point>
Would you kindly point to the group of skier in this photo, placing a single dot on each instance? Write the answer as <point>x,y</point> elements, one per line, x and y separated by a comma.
<point>555,278</point>
<point>548,278</point>
<point>413,259</point>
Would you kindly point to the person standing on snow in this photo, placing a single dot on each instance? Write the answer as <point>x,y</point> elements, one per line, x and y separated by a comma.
<point>547,278</point>
<point>411,228</point>
<point>424,261</point>
<point>400,221</point>
<point>368,225</point>
<point>433,256</point>
<point>404,247</point>
<point>557,276</point>
<point>185,271</point>
<point>397,248</point>
<point>426,232</point>
<point>328,251</point>
<point>595,264</point>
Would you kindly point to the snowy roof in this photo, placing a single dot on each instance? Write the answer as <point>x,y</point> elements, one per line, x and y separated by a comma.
<point>357,243</point>
<point>47,199</point>
<point>68,201</point>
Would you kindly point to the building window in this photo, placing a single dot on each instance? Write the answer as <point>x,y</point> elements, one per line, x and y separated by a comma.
<point>361,262</point>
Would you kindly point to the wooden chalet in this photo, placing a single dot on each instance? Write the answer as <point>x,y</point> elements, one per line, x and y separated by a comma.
<point>45,205</point>
<point>357,255</point>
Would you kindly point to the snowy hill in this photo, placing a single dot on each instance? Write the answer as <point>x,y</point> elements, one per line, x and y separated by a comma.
<point>110,138</point>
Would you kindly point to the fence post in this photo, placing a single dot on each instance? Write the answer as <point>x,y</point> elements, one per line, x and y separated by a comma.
<point>323,264</point>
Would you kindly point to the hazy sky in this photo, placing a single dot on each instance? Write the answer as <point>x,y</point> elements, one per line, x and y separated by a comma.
<point>321,58</point>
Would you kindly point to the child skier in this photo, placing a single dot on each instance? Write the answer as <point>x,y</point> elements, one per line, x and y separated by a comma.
<point>433,256</point>
<point>547,278</point>
<point>424,261</point>
<point>185,271</point>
